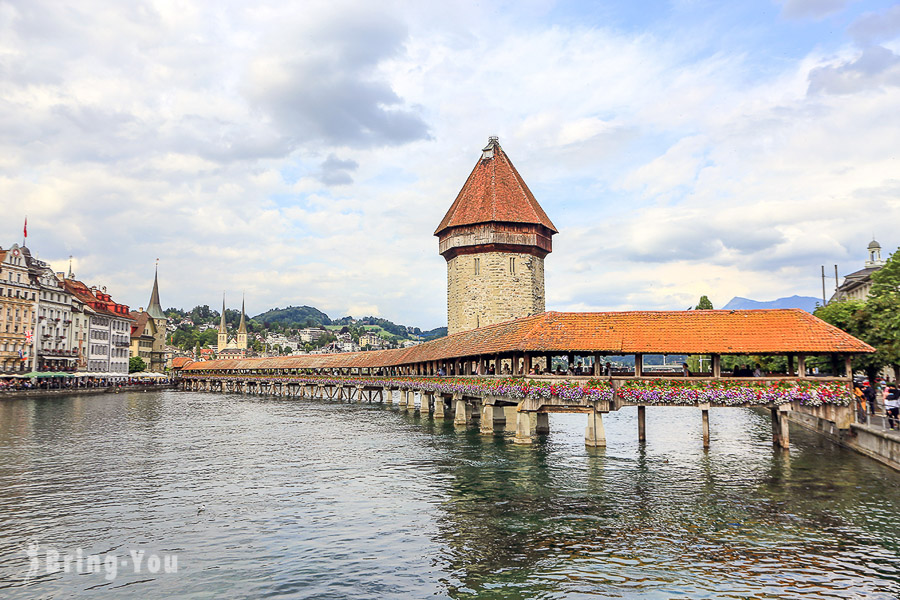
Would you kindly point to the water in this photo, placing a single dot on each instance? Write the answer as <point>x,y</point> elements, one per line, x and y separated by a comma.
<point>312,499</point>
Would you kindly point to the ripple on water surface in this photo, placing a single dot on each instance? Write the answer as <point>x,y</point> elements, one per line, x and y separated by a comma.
<point>275,498</point>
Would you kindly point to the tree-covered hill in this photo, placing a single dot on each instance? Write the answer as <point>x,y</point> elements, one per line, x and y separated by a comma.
<point>294,316</point>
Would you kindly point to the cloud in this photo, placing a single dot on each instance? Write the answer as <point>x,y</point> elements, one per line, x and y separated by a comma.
<point>874,68</point>
<point>328,88</point>
<point>811,9</point>
<point>876,27</point>
<point>304,153</point>
<point>335,171</point>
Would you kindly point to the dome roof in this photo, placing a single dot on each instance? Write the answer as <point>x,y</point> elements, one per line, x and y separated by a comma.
<point>874,245</point>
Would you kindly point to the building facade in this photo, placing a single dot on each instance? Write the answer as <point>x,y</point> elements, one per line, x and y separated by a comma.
<point>494,238</point>
<point>148,332</point>
<point>108,325</point>
<point>54,309</point>
<point>856,285</point>
<point>18,299</point>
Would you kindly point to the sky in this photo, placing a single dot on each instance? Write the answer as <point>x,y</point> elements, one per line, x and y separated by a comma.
<point>304,152</point>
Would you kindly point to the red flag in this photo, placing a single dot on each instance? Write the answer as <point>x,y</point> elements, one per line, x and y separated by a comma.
<point>25,231</point>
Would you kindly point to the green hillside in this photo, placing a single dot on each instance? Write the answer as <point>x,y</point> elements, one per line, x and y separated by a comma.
<point>294,316</point>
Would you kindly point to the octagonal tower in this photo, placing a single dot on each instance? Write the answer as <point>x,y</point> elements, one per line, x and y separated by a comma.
<point>494,238</point>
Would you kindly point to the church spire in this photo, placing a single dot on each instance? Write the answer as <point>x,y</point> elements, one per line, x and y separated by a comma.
<point>242,328</point>
<point>154,309</point>
<point>222,328</point>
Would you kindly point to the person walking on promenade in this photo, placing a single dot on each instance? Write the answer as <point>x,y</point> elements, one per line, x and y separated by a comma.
<point>861,414</point>
<point>892,405</point>
<point>869,392</point>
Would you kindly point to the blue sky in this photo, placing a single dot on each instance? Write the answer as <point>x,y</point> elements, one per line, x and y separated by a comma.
<point>303,153</point>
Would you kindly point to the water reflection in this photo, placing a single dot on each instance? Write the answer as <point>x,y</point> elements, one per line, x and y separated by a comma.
<point>321,499</point>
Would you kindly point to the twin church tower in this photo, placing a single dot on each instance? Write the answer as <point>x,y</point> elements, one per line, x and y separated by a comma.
<point>494,237</point>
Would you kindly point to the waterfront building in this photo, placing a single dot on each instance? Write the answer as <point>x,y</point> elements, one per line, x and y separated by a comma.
<point>79,329</point>
<point>143,336</point>
<point>494,238</point>
<point>109,329</point>
<point>148,332</point>
<point>856,285</point>
<point>54,315</point>
<point>18,298</point>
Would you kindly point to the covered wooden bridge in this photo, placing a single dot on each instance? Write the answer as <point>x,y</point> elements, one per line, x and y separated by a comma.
<point>504,371</point>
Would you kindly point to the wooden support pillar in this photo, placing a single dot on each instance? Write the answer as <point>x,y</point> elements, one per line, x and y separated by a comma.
<point>801,365</point>
<point>848,367</point>
<point>780,433</point>
<point>549,359</point>
<point>790,365</point>
<point>642,423</point>
<point>638,365</point>
<point>597,369</point>
<point>526,368</point>
<point>704,411</point>
<point>716,366</point>
<point>594,433</point>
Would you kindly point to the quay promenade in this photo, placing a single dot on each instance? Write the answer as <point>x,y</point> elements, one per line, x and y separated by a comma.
<point>449,377</point>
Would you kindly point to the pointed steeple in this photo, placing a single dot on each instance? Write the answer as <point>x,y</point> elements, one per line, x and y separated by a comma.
<point>495,193</point>
<point>242,328</point>
<point>222,328</point>
<point>154,309</point>
<point>70,275</point>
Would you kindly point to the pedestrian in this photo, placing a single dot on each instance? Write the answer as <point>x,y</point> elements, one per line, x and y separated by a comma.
<point>861,413</point>
<point>869,392</point>
<point>892,406</point>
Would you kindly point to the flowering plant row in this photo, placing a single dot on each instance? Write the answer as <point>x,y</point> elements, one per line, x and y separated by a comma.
<point>509,387</point>
<point>734,393</point>
<point>632,391</point>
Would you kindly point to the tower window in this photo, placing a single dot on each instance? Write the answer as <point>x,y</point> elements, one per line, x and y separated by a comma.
<point>512,265</point>
<point>477,266</point>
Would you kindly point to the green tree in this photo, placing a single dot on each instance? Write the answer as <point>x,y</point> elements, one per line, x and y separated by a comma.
<point>875,321</point>
<point>704,304</point>
<point>136,364</point>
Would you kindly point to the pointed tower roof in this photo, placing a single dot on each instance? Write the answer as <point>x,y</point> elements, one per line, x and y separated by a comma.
<point>494,192</point>
<point>242,328</point>
<point>154,309</point>
<point>222,327</point>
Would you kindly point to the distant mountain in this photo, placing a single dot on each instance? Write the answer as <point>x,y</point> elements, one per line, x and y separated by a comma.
<point>807,303</point>
<point>297,316</point>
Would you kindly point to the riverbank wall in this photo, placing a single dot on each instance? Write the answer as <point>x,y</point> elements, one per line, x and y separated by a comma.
<point>38,393</point>
<point>877,443</point>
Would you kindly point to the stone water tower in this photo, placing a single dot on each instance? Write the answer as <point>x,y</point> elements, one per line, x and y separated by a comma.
<point>494,237</point>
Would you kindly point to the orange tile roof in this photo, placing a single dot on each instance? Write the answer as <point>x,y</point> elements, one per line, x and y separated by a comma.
<point>181,361</point>
<point>494,192</point>
<point>783,331</point>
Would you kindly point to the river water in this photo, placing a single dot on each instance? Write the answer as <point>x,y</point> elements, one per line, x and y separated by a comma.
<point>272,498</point>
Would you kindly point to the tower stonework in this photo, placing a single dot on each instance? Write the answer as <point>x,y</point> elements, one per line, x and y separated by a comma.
<point>494,238</point>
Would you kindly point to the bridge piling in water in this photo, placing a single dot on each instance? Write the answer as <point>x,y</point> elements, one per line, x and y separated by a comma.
<point>704,417</point>
<point>642,423</point>
<point>594,433</point>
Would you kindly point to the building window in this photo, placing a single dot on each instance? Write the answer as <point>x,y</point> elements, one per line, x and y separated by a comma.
<point>477,266</point>
<point>512,265</point>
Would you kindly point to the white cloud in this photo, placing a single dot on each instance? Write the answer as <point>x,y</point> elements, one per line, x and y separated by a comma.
<point>305,153</point>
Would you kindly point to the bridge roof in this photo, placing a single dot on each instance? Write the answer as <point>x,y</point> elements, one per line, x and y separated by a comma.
<point>494,193</point>
<point>781,331</point>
